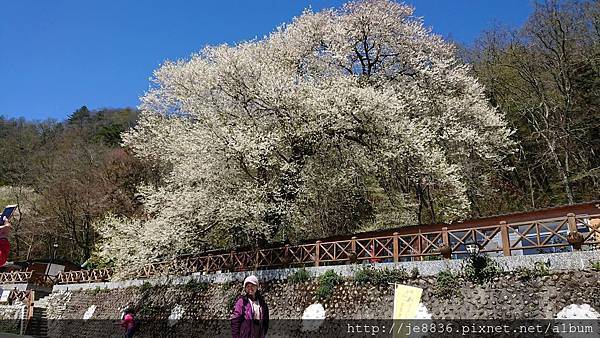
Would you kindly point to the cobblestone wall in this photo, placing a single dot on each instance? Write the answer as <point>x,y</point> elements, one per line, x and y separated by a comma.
<point>166,309</point>
<point>10,318</point>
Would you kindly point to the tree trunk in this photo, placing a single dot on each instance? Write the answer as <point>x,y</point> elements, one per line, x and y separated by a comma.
<point>561,171</point>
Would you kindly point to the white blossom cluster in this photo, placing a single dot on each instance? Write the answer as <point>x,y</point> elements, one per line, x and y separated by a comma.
<point>264,136</point>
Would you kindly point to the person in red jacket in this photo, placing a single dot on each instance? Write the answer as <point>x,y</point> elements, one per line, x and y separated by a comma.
<point>4,244</point>
<point>128,323</point>
<point>374,258</point>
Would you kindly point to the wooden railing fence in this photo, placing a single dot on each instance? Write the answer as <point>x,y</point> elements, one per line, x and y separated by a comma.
<point>15,277</point>
<point>537,236</point>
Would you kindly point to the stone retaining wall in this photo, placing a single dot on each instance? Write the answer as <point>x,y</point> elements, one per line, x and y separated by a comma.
<point>11,318</point>
<point>171,309</point>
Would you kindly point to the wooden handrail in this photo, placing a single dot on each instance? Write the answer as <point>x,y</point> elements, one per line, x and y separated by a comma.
<point>503,238</point>
<point>15,277</point>
<point>27,297</point>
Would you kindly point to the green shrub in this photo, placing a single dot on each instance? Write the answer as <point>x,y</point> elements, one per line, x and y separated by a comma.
<point>149,310</point>
<point>524,273</point>
<point>380,277</point>
<point>327,283</point>
<point>300,276</point>
<point>194,285</point>
<point>145,287</point>
<point>227,286</point>
<point>98,290</point>
<point>540,269</point>
<point>446,284</point>
<point>481,269</point>
<point>364,275</point>
<point>432,258</point>
<point>414,273</point>
<point>595,265</point>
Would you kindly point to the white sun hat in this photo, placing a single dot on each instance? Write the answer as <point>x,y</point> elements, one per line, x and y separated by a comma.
<point>251,279</point>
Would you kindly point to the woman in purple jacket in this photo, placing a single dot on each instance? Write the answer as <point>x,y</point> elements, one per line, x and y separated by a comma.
<point>250,317</point>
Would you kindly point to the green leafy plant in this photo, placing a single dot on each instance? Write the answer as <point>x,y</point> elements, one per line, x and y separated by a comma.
<point>327,283</point>
<point>432,258</point>
<point>595,265</point>
<point>194,285</point>
<point>299,276</point>
<point>149,310</point>
<point>447,284</point>
<point>414,273</point>
<point>227,286</point>
<point>481,269</point>
<point>98,290</point>
<point>524,273</point>
<point>380,277</point>
<point>540,269</point>
<point>145,287</point>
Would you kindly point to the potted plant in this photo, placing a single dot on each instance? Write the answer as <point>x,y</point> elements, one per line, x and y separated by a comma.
<point>352,257</point>
<point>445,250</point>
<point>575,238</point>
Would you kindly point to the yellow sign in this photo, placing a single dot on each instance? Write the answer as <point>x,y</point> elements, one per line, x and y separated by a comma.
<point>406,301</point>
<point>406,306</point>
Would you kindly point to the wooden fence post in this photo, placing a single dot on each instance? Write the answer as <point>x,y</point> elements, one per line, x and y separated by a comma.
<point>30,304</point>
<point>317,252</point>
<point>574,238</point>
<point>419,248</point>
<point>505,238</point>
<point>286,256</point>
<point>572,222</point>
<point>353,254</point>
<point>446,239</point>
<point>396,249</point>
<point>256,259</point>
<point>207,266</point>
<point>231,260</point>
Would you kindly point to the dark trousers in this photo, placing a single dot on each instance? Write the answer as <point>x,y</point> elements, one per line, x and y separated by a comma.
<point>129,333</point>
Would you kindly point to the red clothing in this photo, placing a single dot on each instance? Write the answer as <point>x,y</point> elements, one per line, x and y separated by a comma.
<point>374,259</point>
<point>128,322</point>
<point>4,250</point>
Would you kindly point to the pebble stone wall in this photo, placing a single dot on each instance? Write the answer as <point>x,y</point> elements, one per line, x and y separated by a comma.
<point>171,310</point>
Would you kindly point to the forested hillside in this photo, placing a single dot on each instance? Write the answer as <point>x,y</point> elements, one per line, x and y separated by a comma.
<point>545,78</point>
<point>341,121</point>
<point>66,175</point>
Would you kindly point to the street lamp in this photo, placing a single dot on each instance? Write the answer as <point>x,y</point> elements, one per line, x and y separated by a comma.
<point>55,247</point>
<point>473,248</point>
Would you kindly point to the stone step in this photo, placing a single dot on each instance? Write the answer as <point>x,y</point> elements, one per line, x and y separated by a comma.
<point>38,325</point>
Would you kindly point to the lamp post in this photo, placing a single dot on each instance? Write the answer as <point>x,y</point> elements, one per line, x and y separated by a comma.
<point>478,262</point>
<point>52,258</point>
<point>473,248</point>
<point>54,248</point>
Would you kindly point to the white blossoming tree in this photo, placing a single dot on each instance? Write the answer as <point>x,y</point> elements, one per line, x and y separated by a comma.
<point>344,119</point>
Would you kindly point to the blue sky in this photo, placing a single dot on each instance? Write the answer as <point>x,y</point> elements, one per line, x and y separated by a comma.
<point>56,56</point>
